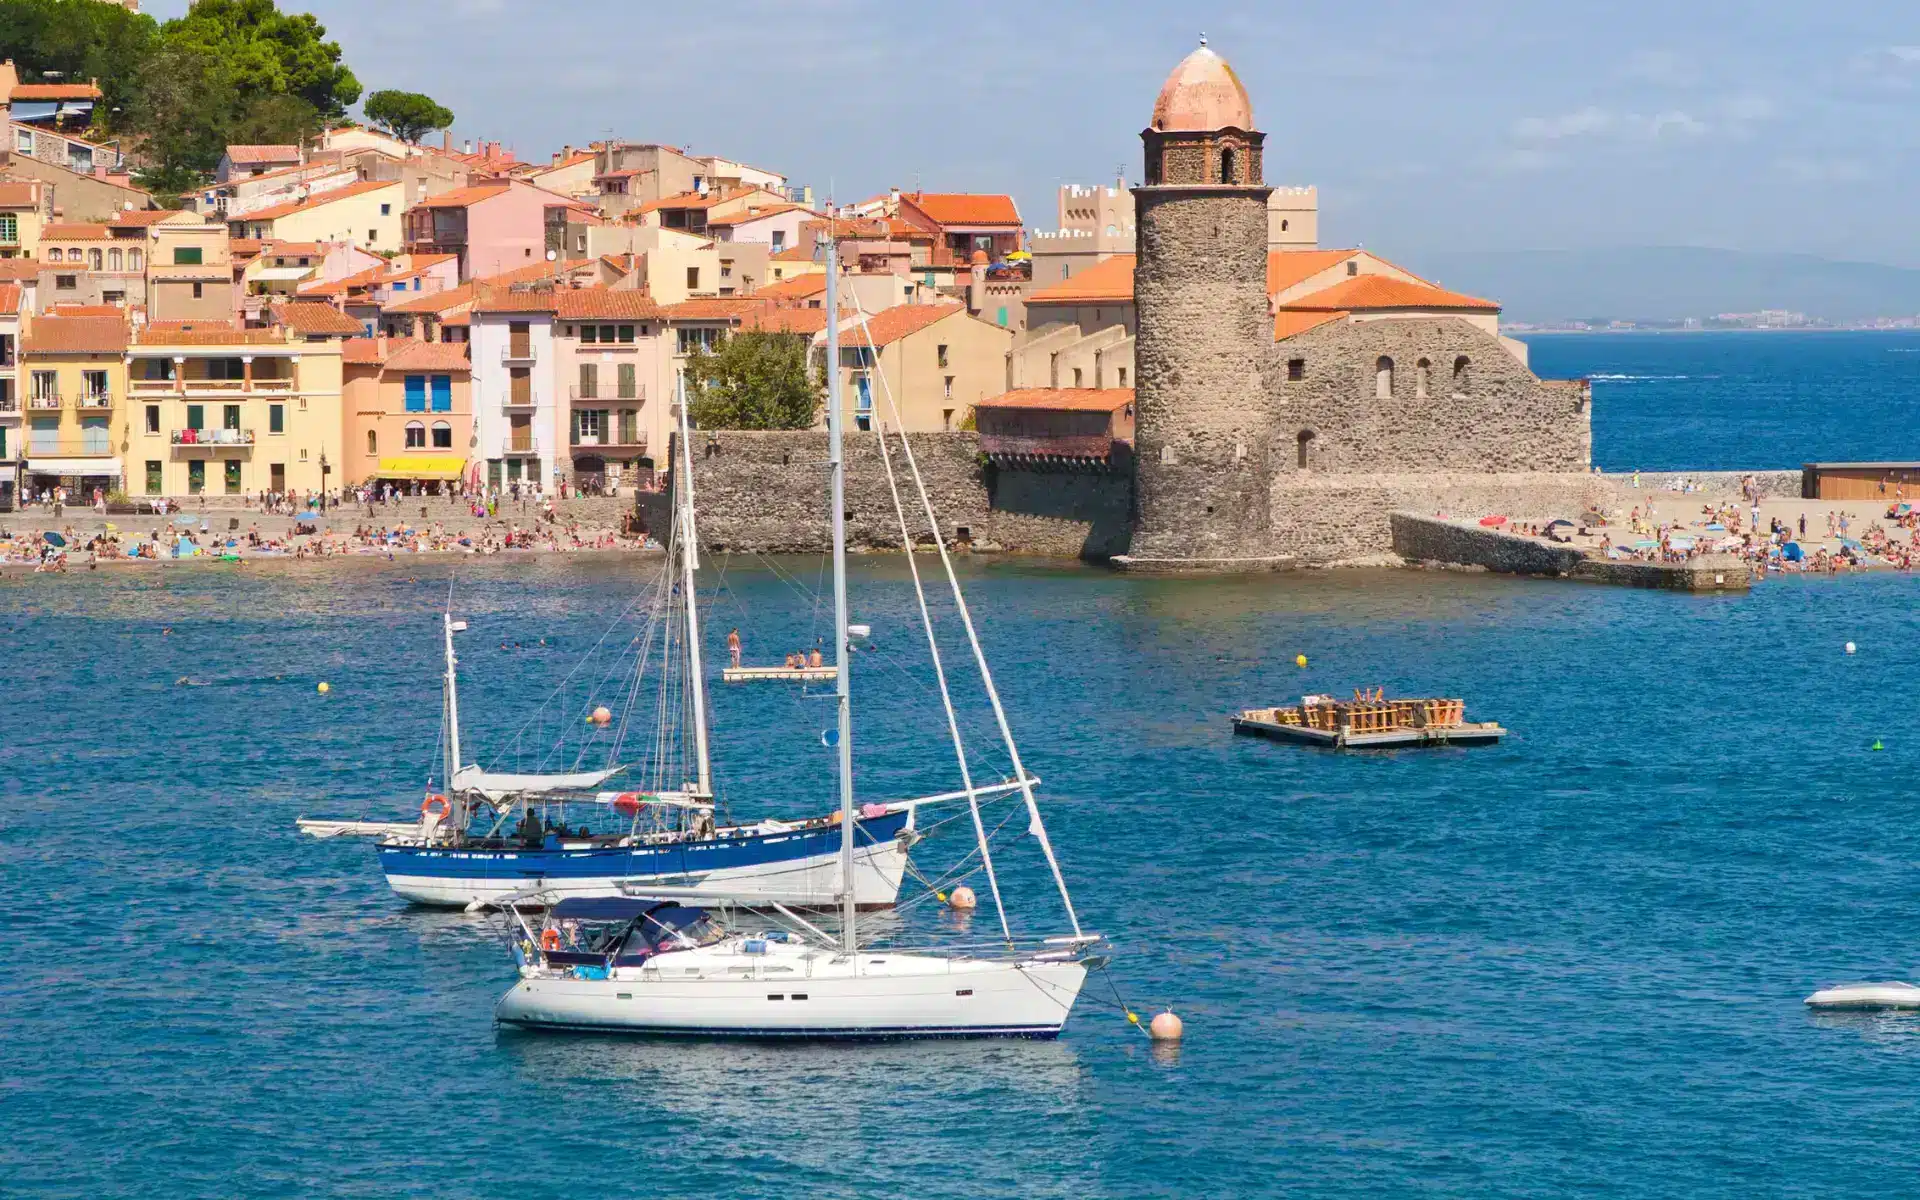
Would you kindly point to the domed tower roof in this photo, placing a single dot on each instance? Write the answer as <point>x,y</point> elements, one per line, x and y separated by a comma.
<point>1202,94</point>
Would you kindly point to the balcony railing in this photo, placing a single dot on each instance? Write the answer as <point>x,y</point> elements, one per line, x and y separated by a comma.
<point>603,391</point>
<point>520,445</point>
<point>518,403</point>
<point>96,401</point>
<point>9,404</point>
<point>213,437</point>
<point>45,401</point>
<point>140,384</point>
<point>511,353</point>
<point>637,443</point>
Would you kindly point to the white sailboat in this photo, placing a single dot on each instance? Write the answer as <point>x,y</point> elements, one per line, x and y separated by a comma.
<point>655,961</point>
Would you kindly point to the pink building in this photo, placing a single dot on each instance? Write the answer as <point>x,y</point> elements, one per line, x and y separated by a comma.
<point>489,228</point>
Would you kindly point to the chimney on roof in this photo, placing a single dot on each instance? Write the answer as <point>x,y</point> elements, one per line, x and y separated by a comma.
<point>380,346</point>
<point>467,146</point>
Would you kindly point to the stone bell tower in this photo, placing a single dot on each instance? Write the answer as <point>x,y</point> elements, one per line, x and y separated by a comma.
<point>1203,431</point>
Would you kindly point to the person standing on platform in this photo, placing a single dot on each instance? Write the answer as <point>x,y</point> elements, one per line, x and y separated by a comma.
<point>733,646</point>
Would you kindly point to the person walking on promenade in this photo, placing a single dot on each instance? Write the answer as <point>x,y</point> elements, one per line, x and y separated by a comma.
<point>733,646</point>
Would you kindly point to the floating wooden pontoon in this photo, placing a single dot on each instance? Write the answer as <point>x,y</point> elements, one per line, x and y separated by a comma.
<point>757,674</point>
<point>1369,721</point>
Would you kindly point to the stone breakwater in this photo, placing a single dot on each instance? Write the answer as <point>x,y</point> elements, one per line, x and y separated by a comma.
<point>1423,539</point>
<point>767,493</point>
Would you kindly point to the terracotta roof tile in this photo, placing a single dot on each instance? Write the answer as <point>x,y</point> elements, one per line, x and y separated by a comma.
<point>462,197</point>
<point>55,91</point>
<point>206,333</point>
<point>409,354</point>
<point>19,193</point>
<point>360,352</point>
<point>754,214</point>
<point>1290,268</point>
<point>309,319</point>
<point>463,317</point>
<point>889,325</point>
<point>74,231</point>
<point>74,309</point>
<point>76,335</point>
<point>1063,399</point>
<point>9,299</point>
<point>800,287</point>
<point>140,218</point>
<point>1290,322</point>
<point>714,308</point>
<point>602,304</point>
<point>796,254</point>
<point>961,208</point>
<point>318,199</point>
<point>1384,291</point>
<point>25,270</point>
<point>1108,281</point>
<point>263,154</point>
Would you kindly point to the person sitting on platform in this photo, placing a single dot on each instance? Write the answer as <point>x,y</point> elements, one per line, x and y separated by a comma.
<point>814,659</point>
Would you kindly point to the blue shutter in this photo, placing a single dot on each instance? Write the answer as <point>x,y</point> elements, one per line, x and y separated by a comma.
<point>416,393</point>
<point>443,393</point>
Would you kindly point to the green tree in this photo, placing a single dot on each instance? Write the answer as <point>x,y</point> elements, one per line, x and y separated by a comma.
<point>753,381</point>
<point>407,115</point>
<point>267,52</point>
<point>183,105</point>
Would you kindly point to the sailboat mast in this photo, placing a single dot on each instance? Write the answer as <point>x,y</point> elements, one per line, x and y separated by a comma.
<point>452,690</point>
<point>689,561</point>
<point>837,466</point>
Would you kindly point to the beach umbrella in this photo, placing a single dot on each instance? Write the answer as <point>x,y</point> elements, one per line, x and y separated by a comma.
<point>54,539</point>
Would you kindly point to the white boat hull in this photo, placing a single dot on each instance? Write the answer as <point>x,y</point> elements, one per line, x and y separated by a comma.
<point>878,869</point>
<point>1866,997</point>
<point>888,996</point>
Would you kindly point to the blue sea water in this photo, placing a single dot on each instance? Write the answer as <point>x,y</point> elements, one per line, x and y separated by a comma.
<point>1571,964</point>
<point>1743,400</point>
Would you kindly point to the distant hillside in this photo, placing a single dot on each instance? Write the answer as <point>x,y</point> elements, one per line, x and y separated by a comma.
<point>1668,283</point>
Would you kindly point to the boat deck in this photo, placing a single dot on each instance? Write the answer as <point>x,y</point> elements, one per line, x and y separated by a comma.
<point>757,674</point>
<point>1370,722</point>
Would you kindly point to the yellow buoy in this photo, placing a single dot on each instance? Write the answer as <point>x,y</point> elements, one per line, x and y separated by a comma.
<point>1165,1027</point>
<point>600,716</point>
<point>1299,660</point>
<point>963,899</point>
<point>323,688</point>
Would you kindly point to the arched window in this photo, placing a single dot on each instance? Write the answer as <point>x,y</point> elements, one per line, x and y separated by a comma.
<point>416,435</point>
<point>1226,165</point>
<point>1306,443</point>
<point>115,259</point>
<point>56,255</point>
<point>442,436</point>
<point>1460,366</point>
<point>133,260</point>
<point>373,442</point>
<point>1383,378</point>
<point>1422,378</point>
<point>95,259</point>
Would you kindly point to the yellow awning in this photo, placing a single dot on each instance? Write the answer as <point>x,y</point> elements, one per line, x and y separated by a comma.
<point>423,466</point>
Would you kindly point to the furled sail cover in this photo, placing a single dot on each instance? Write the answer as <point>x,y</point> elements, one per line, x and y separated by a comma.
<point>497,785</point>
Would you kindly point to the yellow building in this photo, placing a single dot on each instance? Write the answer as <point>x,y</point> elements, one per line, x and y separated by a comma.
<point>935,360</point>
<point>74,372</point>
<point>227,411</point>
<point>365,213</point>
<point>23,206</point>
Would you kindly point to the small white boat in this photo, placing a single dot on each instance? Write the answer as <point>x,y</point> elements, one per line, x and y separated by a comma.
<point>1866,997</point>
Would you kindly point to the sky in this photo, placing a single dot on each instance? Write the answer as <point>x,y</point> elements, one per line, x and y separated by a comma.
<point>1445,124</point>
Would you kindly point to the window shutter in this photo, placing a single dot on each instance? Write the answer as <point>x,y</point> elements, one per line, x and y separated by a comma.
<point>416,393</point>
<point>443,393</point>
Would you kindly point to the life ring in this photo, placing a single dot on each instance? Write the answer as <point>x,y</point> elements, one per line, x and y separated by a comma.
<point>427,806</point>
<point>550,938</point>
